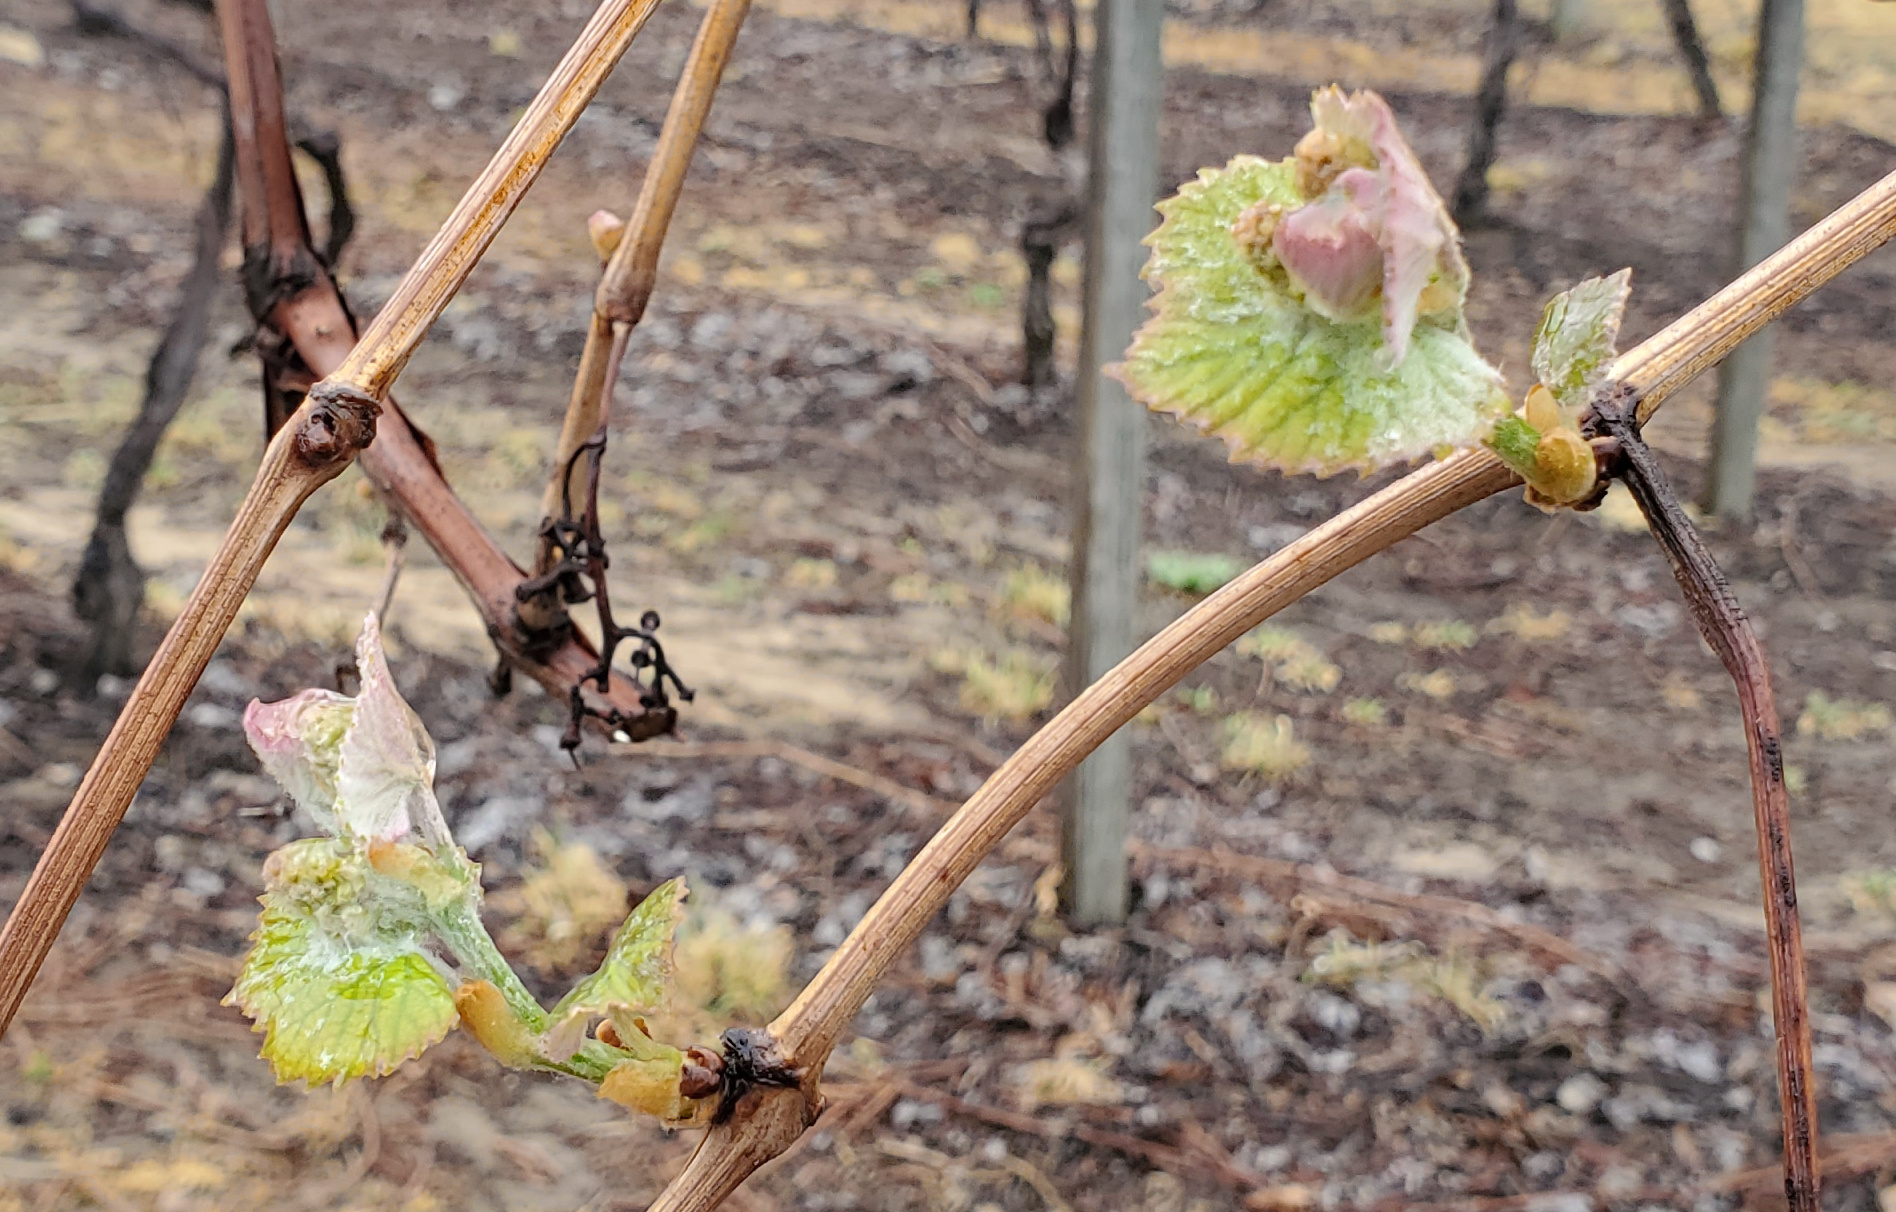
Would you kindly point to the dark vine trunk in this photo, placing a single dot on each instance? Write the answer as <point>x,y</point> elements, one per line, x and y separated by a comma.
<point>1040,241</point>
<point>1491,98</point>
<point>1698,65</point>
<point>110,586</point>
<point>1056,220</point>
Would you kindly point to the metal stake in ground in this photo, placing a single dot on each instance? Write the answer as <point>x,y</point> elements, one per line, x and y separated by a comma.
<point>1770,168</point>
<point>1109,468</point>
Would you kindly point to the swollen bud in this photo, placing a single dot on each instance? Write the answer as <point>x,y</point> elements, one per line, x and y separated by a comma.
<point>703,1074</point>
<point>606,230</point>
<point>1566,471</point>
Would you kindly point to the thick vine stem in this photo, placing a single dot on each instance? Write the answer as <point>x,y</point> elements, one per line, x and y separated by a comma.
<point>308,332</point>
<point>279,266</point>
<point>809,1029</point>
<point>330,429</point>
<point>1723,623</point>
<point>625,286</point>
<point>334,424</point>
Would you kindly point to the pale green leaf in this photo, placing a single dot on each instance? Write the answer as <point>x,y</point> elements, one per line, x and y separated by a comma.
<point>1233,350</point>
<point>1578,338</point>
<point>337,977</point>
<point>636,974</point>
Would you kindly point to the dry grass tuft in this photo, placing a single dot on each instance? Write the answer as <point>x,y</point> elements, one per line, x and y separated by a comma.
<point>1259,744</point>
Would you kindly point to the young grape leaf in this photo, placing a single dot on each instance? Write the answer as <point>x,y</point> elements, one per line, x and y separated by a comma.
<point>337,976</point>
<point>651,1086</point>
<point>1578,338</point>
<point>649,1078</point>
<point>1309,311</point>
<point>362,767</point>
<point>1517,443</point>
<point>635,976</point>
<point>299,742</point>
<point>385,782</point>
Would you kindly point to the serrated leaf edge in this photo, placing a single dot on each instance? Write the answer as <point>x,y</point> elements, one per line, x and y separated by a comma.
<point>1235,446</point>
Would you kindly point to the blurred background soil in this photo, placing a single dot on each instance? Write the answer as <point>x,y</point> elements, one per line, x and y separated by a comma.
<point>1445,889</point>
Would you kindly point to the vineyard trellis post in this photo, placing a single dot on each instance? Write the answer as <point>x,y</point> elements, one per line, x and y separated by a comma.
<point>1109,469</point>
<point>1764,225</point>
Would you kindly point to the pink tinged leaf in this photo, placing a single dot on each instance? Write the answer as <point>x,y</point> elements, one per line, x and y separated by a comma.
<point>297,741</point>
<point>1331,250</point>
<point>385,785</point>
<point>1419,240</point>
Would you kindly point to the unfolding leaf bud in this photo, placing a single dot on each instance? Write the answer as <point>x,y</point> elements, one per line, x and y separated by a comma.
<point>1332,252</point>
<point>1567,471</point>
<point>1541,410</point>
<point>606,230</point>
<point>1372,225</point>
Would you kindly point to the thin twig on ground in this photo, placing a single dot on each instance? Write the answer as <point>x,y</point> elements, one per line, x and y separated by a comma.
<point>796,755</point>
<point>1850,1156</point>
<point>1549,946</point>
<point>1181,1161</point>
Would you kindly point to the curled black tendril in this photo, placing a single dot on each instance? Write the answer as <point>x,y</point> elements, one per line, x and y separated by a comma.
<point>580,576</point>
